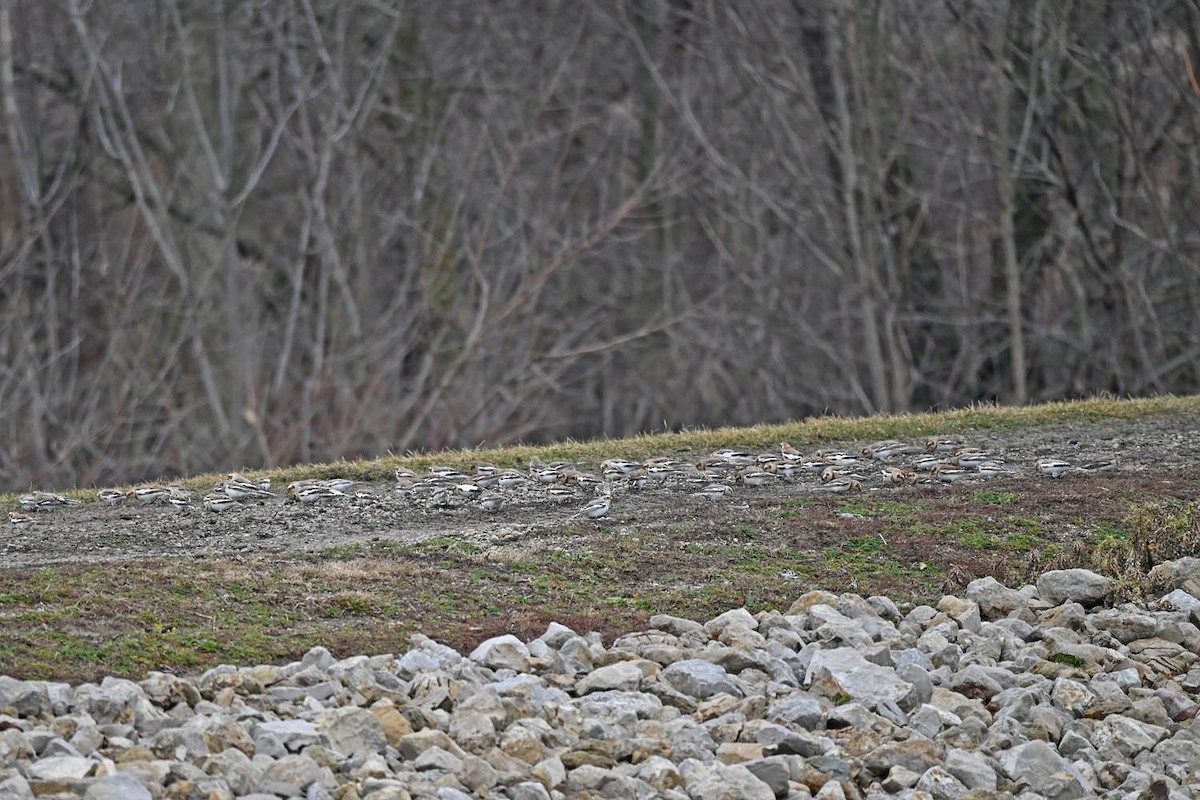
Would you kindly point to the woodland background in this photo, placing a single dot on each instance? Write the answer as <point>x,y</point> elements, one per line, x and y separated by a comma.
<point>239,232</point>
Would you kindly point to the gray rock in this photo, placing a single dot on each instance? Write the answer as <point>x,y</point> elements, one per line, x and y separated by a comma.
<point>941,785</point>
<point>502,652</point>
<point>845,672</point>
<point>971,768</point>
<point>353,732</point>
<point>773,772</point>
<point>995,600</point>
<point>699,678</point>
<point>23,698</point>
<point>528,790</point>
<point>62,768</point>
<point>1074,585</point>
<point>725,782</point>
<point>1037,767</point>
<point>117,787</point>
<point>293,734</point>
<point>623,676</point>
<point>619,704</point>
<point>800,708</point>
<point>737,616</point>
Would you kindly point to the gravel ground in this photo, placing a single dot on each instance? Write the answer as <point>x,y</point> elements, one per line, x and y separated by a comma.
<point>93,532</point>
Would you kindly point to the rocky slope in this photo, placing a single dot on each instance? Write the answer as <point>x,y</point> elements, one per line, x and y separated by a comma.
<point>1042,691</point>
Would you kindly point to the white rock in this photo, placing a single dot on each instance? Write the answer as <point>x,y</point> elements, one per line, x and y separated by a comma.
<point>1073,585</point>
<point>502,652</point>
<point>62,768</point>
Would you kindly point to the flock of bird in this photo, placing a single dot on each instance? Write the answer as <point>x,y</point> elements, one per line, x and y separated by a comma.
<point>941,460</point>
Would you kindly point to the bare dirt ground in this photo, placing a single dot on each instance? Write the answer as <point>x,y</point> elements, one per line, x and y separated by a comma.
<point>1159,460</point>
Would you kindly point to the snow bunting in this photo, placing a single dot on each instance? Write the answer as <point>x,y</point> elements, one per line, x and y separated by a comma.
<point>595,509</point>
<point>507,479</point>
<point>219,501</point>
<point>754,477</point>
<point>928,463</point>
<point>971,459</point>
<point>993,469</point>
<point>239,488</point>
<point>560,494</point>
<point>179,499</point>
<point>634,480</point>
<point>469,489</point>
<point>1104,464</point>
<point>882,451</point>
<point>841,486</point>
<point>441,498</point>
<point>713,491</point>
<point>149,495</point>
<point>1053,467</point>
<point>784,469</point>
<point>111,497</point>
<point>316,494</point>
<point>943,444</point>
<point>19,519</point>
<point>491,502</point>
<point>44,501</point>
<point>736,457</point>
<point>404,473</point>
<point>403,487</point>
<point>898,476</point>
<point>620,465</point>
<point>950,474</point>
<point>838,458</point>
<point>544,474</point>
<point>342,485</point>
<point>790,453</point>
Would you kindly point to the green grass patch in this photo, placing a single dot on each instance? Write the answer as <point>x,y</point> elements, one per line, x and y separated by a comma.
<point>994,497</point>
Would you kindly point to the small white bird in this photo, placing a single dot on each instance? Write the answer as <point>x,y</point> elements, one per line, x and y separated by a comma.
<point>928,463</point>
<point>469,489</point>
<point>239,488</point>
<point>404,473</point>
<point>595,509</point>
<point>784,469</point>
<point>972,460</point>
<point>44,501</point>
<point>993,469</point>
<point>449,472</point>
<point>882,451</point>
<point>560,494</point>
<point>620,465</point>
<point>20,520</point>
<point>1053,467</point>
<point>790,453</point>
<point>180,499</point>
<point>898,476</point>
<point>149,495</point>
<point>111,497</point>
<point>316,495</point>
<point>342,485</point>
<point>1104,464</point>
<point>949,474</point>
<point>713,491</point>
<point>507,479</point>
<point>736,457</point>
<point>943,444</point>
<point>218,501</point>
<point>754,477</point>
<point>544,474</point>
<point>491,502</point>
<point>841,486</point>
<point>403,487</point>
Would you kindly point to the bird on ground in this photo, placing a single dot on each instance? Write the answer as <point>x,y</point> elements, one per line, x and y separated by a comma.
<point>882,451</point>
<point>404,473</point>
<point>993,469</point>
<point>790,453</point>
<point>713,491</point>
<point>735,457</point>
<point>149,495</point>
<point>620,465</point>
<point>240,488</point>
<point>342,485</point>
<point>219,501</point>
<point>898,476</point>
<point>44,501</point>
<point>841,486</point>
<point>595,509</point>
<point>928,463</point>
<point>491,502</point>
<point>1052,467</point>
<point>950,474</point>
<point>316,494</point>
<point>1104,464</point>
<point>560,494</point>
<point>942,444</point>
<point>19,519</point>
<point>179,498</point>
<point>971,459</point>
<point>111,497</point>
<point>754,477</point>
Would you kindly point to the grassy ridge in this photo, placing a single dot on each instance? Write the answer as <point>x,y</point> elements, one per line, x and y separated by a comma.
<point>80,621</point>
<point>806,434</point>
